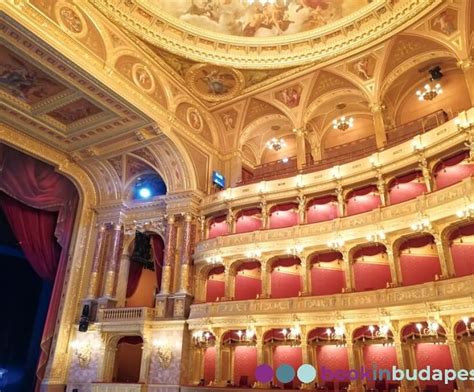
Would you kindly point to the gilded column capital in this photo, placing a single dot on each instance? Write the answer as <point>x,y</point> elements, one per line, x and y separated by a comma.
<point>377,107</point>
<point>299,131</point>
<point>466,63</point>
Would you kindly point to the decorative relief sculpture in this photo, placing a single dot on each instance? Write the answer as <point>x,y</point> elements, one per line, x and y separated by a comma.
<point>143,78</point>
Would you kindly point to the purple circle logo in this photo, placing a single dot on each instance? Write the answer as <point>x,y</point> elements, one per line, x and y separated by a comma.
<point>264,373</point>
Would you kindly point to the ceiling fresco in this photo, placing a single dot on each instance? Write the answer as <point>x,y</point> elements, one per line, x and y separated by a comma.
<point>24,81</point>
<point>242,18</point>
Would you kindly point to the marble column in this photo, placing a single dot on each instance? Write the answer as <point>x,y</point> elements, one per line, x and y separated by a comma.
<point>300,147</point>
<point>169,257</point>
<point>112,261</point>
<point>96,264</point>
<point>467,66</point>
<point>187,253</point>
<point>379,126</point>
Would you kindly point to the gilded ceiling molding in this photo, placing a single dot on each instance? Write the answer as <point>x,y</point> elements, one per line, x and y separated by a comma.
<point>80,252</point>
<point>339,38</point>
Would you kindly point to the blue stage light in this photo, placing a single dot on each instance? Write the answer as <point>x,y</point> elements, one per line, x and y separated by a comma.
<point>144,193</point>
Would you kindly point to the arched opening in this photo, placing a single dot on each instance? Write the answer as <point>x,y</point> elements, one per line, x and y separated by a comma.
<point>215,287</point>
<point>286,280</point>
<point>248,282</point>
<point>427,342</point>
<point>453,169</point>
<point>241,345</point>
<point>327,273</point>
<point>204,343</point>
<point>465,344</point>
<point>406,187</point>
<point>419,261</point>
<point>330,351</point>
<point>322,209</point>
<point>371,268</point>
<point>462,249</point>
<point>128,359</point>
<point>148,186</point>
<point>38,208</point>
<point>248,220</point>
<point>218,226</point>
<point>283,215</point>
<point>375,343</point>
<point>362,200</point>
<point>145,270</point>
<point>284,347</point>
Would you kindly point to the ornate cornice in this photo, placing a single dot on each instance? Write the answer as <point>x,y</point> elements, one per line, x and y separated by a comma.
<point>376,21</point>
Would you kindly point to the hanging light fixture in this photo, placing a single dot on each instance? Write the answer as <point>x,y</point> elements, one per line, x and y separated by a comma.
<point>429,93</point>
<point>342,123</point>
<point>276,144</point>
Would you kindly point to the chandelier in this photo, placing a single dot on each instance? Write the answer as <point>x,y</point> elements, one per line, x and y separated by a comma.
<point>276,144</point>
<point>429,93</point>
<point>342,123</point>
<point>293,334</point>
<point>379,332</point>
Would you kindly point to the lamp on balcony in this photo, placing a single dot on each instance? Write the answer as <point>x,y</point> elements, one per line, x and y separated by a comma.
<point>377,236</point>
<point>336,335</point>
<point>428,331</point>
<point>467,212</point>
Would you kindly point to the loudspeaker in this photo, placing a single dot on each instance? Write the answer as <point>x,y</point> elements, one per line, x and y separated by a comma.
<point>84,321</point>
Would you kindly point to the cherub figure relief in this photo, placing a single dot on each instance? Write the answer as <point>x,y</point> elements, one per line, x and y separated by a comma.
<point>445,23</point>
<point>362,68</point>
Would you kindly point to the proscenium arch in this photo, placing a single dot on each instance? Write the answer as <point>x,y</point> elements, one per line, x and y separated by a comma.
<point>82,237</point>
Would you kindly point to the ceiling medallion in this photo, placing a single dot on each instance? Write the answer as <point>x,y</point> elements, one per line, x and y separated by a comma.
<point>214,83</point>
<point>429,93</point>
<point>276,144</point>
<point>342,123</point>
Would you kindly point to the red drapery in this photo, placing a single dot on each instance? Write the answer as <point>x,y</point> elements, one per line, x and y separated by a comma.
<point>158,251</point>
<point>134,273</point>
<point>36,185</point>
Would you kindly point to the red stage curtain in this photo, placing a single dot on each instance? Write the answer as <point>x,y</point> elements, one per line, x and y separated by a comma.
<point>34,230</point>
<point>158,248</point>
<point>134,273</point>
<point>37,185</point>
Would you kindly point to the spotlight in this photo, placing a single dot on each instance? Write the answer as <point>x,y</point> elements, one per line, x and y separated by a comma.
<point>84,321</point>
<point>144,193</point>
<point>435,73</point>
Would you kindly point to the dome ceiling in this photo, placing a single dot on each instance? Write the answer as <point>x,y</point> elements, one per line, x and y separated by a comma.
<point>247,34</point>
<point>254,19</point>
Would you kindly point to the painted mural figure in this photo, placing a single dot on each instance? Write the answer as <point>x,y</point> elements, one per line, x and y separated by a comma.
<point>362,68</point>
<point>20,81</point>
<point>215,81</point>
<point>254,19</point>
<point>445,23</point>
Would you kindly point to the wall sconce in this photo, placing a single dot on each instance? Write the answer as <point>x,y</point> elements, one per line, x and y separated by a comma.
<point>336,243</point>
<point>422,225</point>
<point>431,330</point>
<point>299,181</point>
<point>253,254</point>
<point>469,325</point>
<point>216,259</point>
<point>83,351</point>
<point>463,123</point>
<point>164,353</point>
<point>335,173</point>
<point>295,250</point>
<point>337,335</point>
<point>467,212</point>
<point>417,143</point>
<point>377,236</point>
<point>374,160</point>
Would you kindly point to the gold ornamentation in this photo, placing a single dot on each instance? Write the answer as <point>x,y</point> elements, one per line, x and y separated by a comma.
<point>194,119</point>
<point>143,78</point>
<point>214,83</point>
<point>72,20</point>
<point>165,356</point>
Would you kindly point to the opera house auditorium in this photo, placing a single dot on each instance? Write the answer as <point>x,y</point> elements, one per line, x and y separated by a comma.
<point>220,195</point>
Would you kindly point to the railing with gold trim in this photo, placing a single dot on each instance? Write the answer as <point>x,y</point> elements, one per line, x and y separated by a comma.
<point>443,290</point>
<point>115,387</point>
<point>125,314</point>
<point>442,138</point>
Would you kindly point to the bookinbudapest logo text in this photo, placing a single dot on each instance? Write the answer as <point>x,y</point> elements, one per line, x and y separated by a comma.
<point>307,374</point>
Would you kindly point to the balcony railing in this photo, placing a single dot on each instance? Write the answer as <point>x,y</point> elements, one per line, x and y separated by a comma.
<point>126,314</point>
<point>349,151</point>
<point>400,296</point>
<point>116,387</point>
